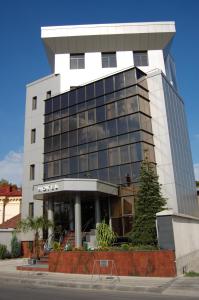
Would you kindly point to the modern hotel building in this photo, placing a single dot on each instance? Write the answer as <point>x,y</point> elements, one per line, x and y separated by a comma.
<point>112,99</point>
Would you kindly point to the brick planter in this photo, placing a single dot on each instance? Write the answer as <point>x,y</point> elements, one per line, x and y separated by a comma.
<point>129,263</point>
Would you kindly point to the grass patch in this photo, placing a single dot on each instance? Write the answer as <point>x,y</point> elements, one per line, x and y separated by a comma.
<point>191,274</point>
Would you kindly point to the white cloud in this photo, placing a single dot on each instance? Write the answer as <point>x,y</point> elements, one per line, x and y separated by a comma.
<point>11,167</point>
<point>196,170</point>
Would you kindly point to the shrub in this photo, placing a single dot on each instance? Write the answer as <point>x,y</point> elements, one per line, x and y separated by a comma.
<point>105,235</point>
<point>57,246</point>
<point>3,251</point>
<point>15,246</point>
<point>125,247</point>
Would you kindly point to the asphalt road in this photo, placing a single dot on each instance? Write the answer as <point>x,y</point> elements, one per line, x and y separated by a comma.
<point>20,292</point>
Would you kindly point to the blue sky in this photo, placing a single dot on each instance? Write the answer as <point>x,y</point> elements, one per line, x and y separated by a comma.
<point>23,58</point>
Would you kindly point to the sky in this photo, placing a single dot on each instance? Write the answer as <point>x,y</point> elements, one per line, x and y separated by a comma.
<point>23,59</point>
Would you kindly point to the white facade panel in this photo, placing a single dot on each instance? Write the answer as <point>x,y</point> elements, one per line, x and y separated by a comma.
<point>33,152</point>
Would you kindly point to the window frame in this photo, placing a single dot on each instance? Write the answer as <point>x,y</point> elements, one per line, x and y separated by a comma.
<point>139,61</point>
<point>108,63</point>
<point>74,59</point>
<point>34,103</point>
<point>33,136</point>
<point>32,172</point>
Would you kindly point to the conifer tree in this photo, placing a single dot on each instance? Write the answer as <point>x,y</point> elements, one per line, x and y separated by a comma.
<point>149,201</point>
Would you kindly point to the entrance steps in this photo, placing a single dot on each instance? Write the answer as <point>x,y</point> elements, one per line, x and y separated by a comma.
<point>40,265</point>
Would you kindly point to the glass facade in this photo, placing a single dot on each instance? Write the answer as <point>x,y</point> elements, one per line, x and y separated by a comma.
<point>100,130</point>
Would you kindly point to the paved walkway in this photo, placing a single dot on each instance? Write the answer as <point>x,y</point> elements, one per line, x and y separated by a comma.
<point>167,286</point>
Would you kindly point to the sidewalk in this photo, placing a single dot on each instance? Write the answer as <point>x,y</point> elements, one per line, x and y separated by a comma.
<point>166,286</point>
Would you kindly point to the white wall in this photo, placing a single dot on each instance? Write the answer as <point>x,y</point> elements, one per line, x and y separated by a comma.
<point>33,153</point>
<point>93,67</point>
<point>6,236</point>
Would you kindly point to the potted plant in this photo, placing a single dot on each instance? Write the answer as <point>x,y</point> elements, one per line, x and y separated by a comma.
<point>36,225</point>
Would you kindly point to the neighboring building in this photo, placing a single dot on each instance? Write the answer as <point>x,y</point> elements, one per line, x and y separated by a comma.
<point>112,98</point>
<point>10,202</point>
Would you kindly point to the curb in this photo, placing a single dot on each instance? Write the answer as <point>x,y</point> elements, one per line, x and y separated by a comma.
<point>79,285</point>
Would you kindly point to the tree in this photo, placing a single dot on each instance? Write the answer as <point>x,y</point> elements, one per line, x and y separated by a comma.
<point>35,225</point>
<point>149,201</point>
<point>4,182</point>
<point>15,246</point>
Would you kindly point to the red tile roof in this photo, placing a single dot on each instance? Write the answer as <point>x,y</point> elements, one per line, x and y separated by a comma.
<point>11,223</point>
<point>10,191</point>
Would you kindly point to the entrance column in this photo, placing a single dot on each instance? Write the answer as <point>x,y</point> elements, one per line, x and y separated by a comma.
<point>71,216</point>
<point>50,218</point>
<point>97,211</point>
<point>78,222</point>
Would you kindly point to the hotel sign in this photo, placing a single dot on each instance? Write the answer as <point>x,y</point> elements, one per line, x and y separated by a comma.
<point>48,188</point>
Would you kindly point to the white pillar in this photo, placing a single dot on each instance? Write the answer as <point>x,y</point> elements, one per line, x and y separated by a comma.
<point>50,218</point>
<point>97,211</point>
<point>78,222</point>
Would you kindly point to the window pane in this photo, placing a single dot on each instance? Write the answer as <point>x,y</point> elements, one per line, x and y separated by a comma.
<point>73,165</point>
<point>65,124</point>
<point>83,119</point>
<point>77,61</point>
<point>109,87</point>
<point>136,152</point>
<point>65,166</point>
<point>133,122</point>
<point>64,100</point>
<point>80,94</point>
<point>91,116</point>
<point>72,138</point>
<point>124,154</point>
<point>64,140</point>
<point>103,174</point>
<point>90,91</point>
<point>130,77</point>
<point>56,103</point>
<point>48,106</point>
<point>48,144</point>
<point>111,128</point>
<point>82,135</point>
<point>56,142</point>
<point>101,130</point>
<point>121,107</point>
<point>56,168</point>
<point>73,122</point>
<point>113,156</point>
<point>114,174</point>
<point>102,159</point>
<point>100,114</point>
<point>99,88</point>
<point>109,60</point>
<point>93,161</point>
<point>110,111</point>
<point>119,81</point>
<point>92,133</point>
<point>56,127</point>
<point>83,163</point>
<point>125,173</point>
<point>122,125</point>
<point>132,104</point>
<point>140,58</point>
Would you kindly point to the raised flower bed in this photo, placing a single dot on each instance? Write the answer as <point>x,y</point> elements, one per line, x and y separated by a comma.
<point>157,263</point>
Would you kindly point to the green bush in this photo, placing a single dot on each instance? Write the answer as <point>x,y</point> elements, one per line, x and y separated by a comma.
<point>57,247</point>
<point>125,247</point>
<point>15,246</point>
<point>3,251</point>
<point>105,235</point>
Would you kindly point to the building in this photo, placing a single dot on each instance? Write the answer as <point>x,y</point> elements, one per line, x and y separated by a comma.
<point>112,97</point>
<point>10,202</point>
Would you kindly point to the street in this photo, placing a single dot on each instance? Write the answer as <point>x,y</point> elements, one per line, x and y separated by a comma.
<point>11,292</point>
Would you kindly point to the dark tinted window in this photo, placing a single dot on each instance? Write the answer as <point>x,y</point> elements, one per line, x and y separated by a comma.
<point>109,60</point>
<point>140,58</point>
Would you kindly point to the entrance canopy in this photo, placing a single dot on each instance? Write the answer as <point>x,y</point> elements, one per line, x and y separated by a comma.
<point>73,185</point>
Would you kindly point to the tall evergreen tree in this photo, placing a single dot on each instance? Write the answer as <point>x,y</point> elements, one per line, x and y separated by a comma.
<point>149,201</point>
